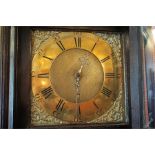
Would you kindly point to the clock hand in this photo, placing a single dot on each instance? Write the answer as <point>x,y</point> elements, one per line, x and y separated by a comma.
<point>80,69</point>
<point>77,84</point>
<point>78,74</point>
<point>84,62</point>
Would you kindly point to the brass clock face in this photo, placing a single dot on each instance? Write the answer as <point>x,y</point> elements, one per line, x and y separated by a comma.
<point>76,77</point>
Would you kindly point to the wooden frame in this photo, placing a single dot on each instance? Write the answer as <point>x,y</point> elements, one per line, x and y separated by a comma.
<point>22,78</point>
<point>23,72</point>
<point>4,75</point>
<point>149,76</point>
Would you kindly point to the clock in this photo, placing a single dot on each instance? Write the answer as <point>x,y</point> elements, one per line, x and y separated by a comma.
<point>77,78</point>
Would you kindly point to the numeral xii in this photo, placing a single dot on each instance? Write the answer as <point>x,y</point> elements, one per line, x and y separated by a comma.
<point>77,41</point>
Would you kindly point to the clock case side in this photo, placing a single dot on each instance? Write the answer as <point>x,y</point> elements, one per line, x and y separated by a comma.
<point>22,86</point>
<point>4,75</point>
<point>23,57</point>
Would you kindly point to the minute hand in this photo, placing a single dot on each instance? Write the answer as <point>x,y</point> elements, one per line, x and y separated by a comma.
<point>80,69</point>
<point>78,74</point>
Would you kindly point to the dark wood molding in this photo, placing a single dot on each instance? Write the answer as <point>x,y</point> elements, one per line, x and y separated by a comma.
<point>136,77</point>
<point>22,78</point>
<point>148,62</point>
<point>4,75</point>
<point>83,28</point>
<point>85,126</point>
<point>126,66</point>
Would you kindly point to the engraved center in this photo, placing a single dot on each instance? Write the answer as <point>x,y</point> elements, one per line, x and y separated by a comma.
<point>67,65</point>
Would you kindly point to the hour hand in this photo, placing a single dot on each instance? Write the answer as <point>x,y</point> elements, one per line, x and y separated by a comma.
<point>80,69</point>
<point>78,74</point>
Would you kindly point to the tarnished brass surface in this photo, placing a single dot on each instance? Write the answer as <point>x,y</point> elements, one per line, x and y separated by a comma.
<point>64,69</point>
<point>54,67</point>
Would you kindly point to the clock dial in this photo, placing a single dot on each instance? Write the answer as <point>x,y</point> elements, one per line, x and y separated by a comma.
<point>76,76</point>
<point>63,72</point>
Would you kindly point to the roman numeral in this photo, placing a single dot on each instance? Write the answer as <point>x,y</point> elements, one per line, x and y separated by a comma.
<point>111,75</point>
<point>115,95</point>
<point>37,97</point>
<point>113,99</point>
<point>93,47</point>
<point>113,54</point>
<point>97,107</point>
<point>105,59</point>
<point>77,41</point>
<point>106,91</point>
<point>41,52</point>
<point>33,74</point>
<point>60,105</point>
<point>78,113</point>
<point>59,43</point>
<point>48,58</point>
<point>47,92</point>
<point>44,75</point>
<point>114,57</point>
